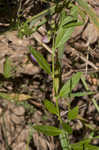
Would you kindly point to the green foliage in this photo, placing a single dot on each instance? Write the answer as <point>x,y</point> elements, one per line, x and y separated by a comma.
<point>84,145</point>
<point>84,83</point>
<point>50,107</point>
<point>72,114</point>
<point>61,33</point>
<point>66,26</point>
<point>62,36</point>
<point>64,141</point>
<point>67,127</point>
<point>70,85</point>
<point>41,60</point>
<point>28,27</point>
<point>79,94</point>
<point>23,29</point>
<point>48,130</point>
<point>50,11</point>
<point>96,105</point>
<point>7,68</point>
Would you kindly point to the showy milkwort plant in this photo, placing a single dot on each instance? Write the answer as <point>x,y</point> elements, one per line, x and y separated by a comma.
<point>62,31</point>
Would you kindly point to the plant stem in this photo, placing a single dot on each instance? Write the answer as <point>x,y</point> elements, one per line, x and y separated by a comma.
<point>53,68</point>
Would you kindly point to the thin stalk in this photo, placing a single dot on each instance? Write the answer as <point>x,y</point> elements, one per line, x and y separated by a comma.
<point>64,141</point>
<point>53,67</point>
<point>95,103</point>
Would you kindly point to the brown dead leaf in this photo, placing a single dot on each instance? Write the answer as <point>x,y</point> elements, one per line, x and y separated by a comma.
<point>15,96</point>
<point>90,34</point>
<point>19,97</point>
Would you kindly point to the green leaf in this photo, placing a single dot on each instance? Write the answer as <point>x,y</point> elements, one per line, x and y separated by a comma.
<point>40,59</point>
<point>78,94</point>
<point>7,68</point>
<point>84,82</point>
<point>84,145</point>
<point>67,20</point>
<point>60,54</point>
<point>67,127</point>
<point>41,15</point>
<point>74,11</point>
<point>91,147</point>
<point>50,107</point>
<point>62,36</point>
<point>73,20</point>
<point>96,105</point>
<point>85,141</point>
<point>72,114</point>
<point>66,28</point>
<point>70,85</point>
<point>48,130</point>
<point>63,15</point>
<point>73,24</point>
